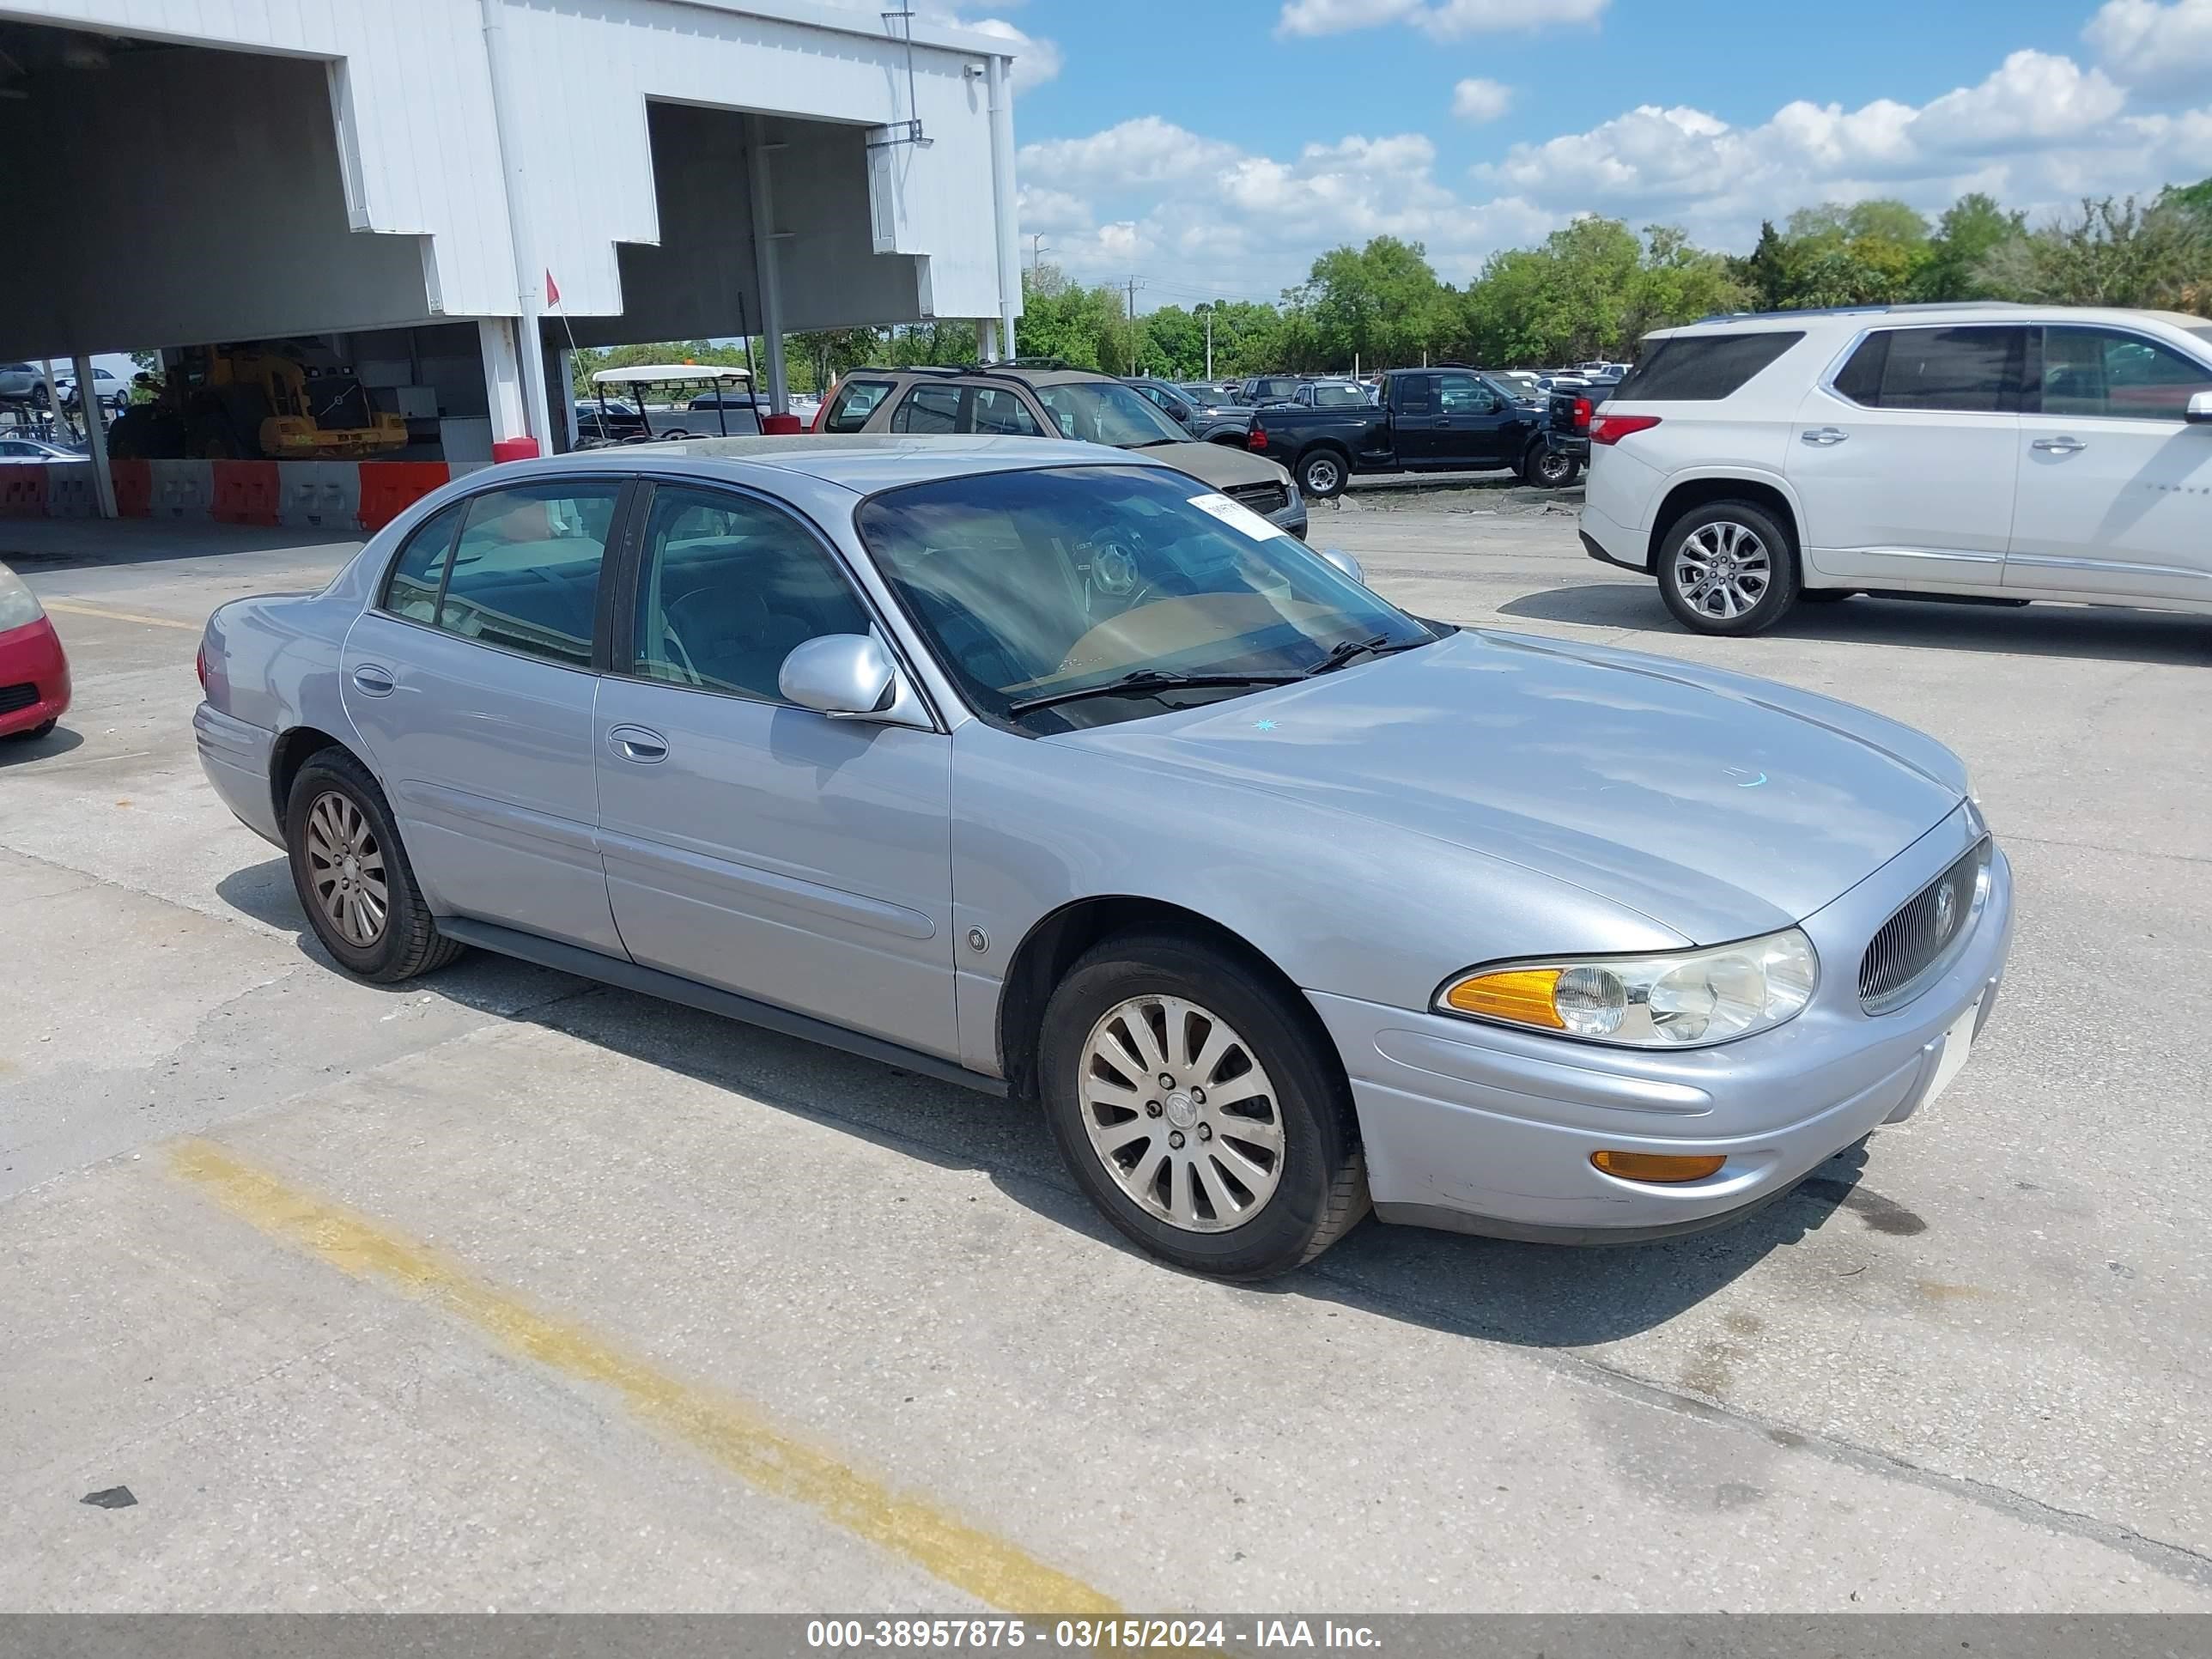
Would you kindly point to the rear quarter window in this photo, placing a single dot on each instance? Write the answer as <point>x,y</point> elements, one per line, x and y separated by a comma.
<point>856,401</point>
<point>1703,368</point>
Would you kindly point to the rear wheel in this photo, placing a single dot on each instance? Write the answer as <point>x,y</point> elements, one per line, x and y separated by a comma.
<point>1322,474</point>
<point>1200,1114</point>
<point>1727,568</point>
<point>1548,469</point>
<point>352,874</point>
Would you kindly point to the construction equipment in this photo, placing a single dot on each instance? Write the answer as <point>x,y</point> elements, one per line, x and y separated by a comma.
<point>278,400</point>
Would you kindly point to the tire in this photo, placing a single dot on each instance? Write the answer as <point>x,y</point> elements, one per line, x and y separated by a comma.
<point>1750,566</point>
<point>1322,474</point>
<point>405,940</point>
<point>33,733</point>
<point>1544,468</point>
<point>1300,1195</point>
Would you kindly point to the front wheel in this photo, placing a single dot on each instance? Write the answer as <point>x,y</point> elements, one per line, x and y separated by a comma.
<point>1549,469</point>
<point>1202,1115</point>
<point>1322,474</point>
<point>1727,568</point>
<point>33,733</point>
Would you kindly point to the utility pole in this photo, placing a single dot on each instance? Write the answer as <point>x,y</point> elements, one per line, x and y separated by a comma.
<point>1037,252</point>
<point>1209,343</point>
<point>1133,325</point>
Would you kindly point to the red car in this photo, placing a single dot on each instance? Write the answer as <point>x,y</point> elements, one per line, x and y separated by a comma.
<point>34,677</point>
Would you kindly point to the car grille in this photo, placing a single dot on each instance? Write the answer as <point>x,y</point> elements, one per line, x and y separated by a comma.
<point>13,697</point>
<point>1261,498</point>
<point>1916,942</point>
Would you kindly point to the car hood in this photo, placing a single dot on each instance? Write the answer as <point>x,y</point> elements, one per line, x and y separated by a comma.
<point>1718,805</point>
<point>1218,465</point>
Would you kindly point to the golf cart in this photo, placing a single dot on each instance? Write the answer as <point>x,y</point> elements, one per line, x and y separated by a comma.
<point>674,383</point>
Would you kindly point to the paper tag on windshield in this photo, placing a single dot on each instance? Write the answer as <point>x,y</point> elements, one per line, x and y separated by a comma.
<point>1237,516</point>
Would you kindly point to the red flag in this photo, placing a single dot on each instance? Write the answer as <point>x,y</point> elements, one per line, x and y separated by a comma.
<point>552,293</point>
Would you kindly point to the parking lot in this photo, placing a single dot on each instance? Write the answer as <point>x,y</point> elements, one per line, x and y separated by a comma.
<point>504,1289</point>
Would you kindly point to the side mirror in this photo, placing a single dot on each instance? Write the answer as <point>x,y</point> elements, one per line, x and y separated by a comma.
<point>1344,562</point>
<point>2199,412</point>
<point>844,675</point>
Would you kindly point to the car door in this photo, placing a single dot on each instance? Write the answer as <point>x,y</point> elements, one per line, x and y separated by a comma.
<point>750,843</point>
<point>2115,485</point>
<point>1463,423</point>
<point>1905,460</point>
<point>472,681</point>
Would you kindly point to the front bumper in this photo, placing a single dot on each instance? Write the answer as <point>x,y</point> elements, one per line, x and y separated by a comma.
<point>235,755</point>
<point>1488,1129</point>
<point>32,657</point>
<point>1291,517</point>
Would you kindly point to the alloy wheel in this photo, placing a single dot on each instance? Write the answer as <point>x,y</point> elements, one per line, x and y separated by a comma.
<point>1182,1114</point>
<point>1722,569</point>
<point>345,870</point>
<point>1321,477</point>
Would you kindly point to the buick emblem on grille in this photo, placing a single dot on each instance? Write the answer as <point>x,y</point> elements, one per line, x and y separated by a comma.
<point>1947,904</point>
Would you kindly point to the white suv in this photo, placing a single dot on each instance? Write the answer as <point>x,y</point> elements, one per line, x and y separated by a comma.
<point>1989,451</point>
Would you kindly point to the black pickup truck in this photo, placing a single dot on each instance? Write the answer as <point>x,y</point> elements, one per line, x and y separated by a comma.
<point>1445,419</point>
<point>1569,432</point>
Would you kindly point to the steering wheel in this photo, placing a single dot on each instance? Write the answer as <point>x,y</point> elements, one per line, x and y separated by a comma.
<point>1113,568</point>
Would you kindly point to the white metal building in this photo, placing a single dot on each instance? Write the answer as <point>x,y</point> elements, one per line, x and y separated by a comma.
<point>201,171</point>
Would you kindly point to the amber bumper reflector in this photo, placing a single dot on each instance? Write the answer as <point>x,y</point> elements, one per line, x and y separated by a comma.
<point>1662,1167</point>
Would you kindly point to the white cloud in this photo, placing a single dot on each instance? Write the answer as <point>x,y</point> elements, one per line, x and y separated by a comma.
<point>1479,99</point>
<point>1036,60</point>
<point>2157,47</point>
<point>1442,19</point>
<point>1196,215</point>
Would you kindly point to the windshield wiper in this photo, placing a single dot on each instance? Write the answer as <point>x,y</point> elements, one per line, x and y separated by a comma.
<point>1381,646</point>
<point>1154,443</point>
<point>1145,682</point>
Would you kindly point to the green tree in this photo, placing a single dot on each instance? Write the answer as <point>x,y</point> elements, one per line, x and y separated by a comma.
<point>1972,230</point>
<point>1087,327</point>
<point>2113,252</point>
<point>818,359</point>
<point>1374,307</point>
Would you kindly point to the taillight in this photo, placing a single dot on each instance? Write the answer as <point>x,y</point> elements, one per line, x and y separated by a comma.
<point>1582,414</point>
<point>1259,438</point>
<point>1612,428</point>
<point>199,667</point>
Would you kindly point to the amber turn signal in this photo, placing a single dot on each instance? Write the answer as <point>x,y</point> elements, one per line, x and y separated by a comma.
<point>1663,1167</point>
<point>1523,995</point>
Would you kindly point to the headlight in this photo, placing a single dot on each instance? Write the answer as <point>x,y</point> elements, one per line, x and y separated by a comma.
<point>19,606</point>
<point>1680,999</point>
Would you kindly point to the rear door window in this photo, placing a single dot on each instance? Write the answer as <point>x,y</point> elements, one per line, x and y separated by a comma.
<point>854,403</point>
<point>2120,376</point>
<point>1976,370</point>
<point>932,409</point>
<point>995,410</point>
<point>418,575</point>
<point>1703,368</point>
<point>525,573</point>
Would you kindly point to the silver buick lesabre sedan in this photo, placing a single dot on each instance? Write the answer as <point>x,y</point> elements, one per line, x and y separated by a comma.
<point>1040,768</point>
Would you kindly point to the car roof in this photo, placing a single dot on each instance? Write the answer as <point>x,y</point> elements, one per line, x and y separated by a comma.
<point>1854,318</point>
<point>860,462</point>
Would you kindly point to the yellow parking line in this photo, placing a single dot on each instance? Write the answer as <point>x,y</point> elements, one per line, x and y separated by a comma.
<point>71,607</point>
<point>730,1433</point>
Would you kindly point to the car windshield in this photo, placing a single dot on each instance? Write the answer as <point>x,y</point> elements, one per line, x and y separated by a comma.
<point>1338,397</point>
<point>1033,585</point>
<point>1107,412</point>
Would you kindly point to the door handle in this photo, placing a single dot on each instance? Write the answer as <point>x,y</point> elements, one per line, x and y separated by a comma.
<point>373,682</point>
<point>2060,445</point>
<point>1823,437</point>
<point>1442,422</point>
<point>636,743</point>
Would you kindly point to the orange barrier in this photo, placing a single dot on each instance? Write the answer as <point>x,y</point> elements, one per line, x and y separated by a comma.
<point>245,492</point>
<point>389,488</point>
<point>134,488</point>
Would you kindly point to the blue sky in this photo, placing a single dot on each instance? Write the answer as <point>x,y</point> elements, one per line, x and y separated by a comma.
<point>1214,146</point>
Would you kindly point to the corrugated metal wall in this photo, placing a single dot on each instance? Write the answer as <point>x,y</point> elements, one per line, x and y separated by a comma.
<point>408,124</point>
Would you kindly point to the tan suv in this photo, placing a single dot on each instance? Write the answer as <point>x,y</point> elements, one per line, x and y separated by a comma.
<point>1030,400</point>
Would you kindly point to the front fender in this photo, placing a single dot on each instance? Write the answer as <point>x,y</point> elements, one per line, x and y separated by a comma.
<point>1340,904</point>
